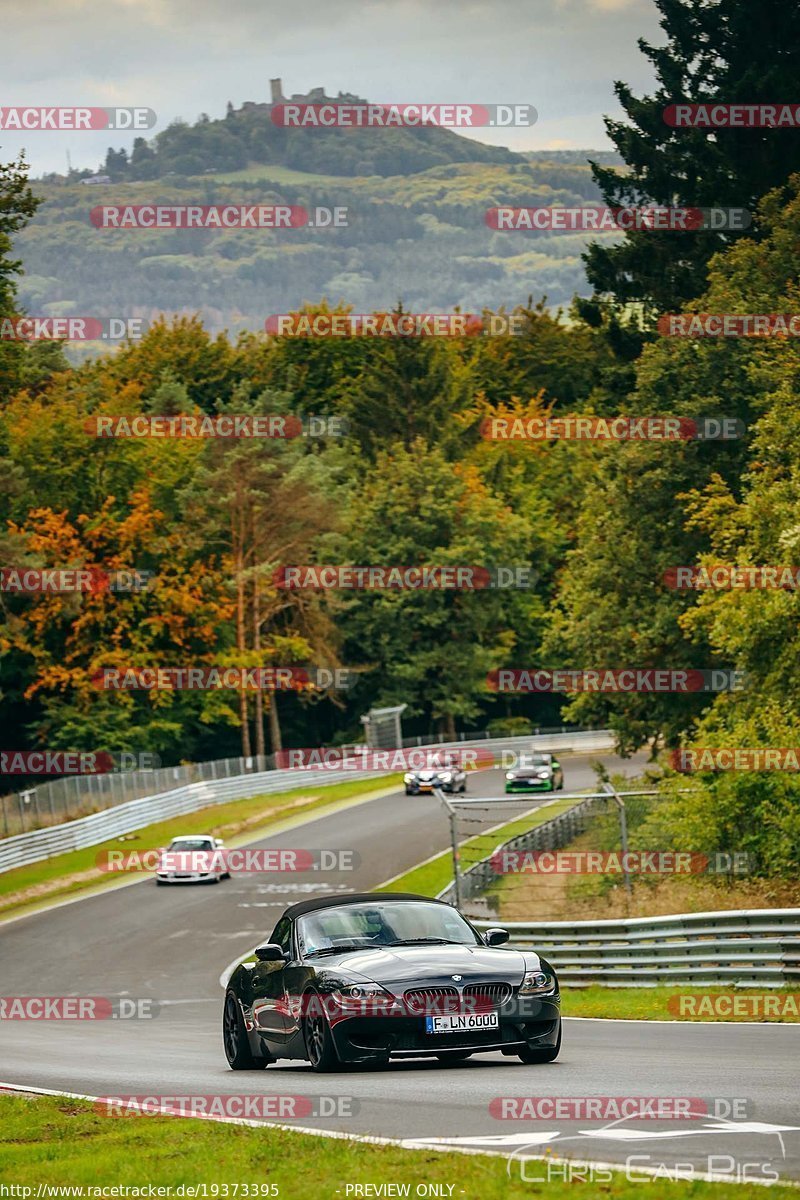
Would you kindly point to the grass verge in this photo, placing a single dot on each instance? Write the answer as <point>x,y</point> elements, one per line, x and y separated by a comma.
<point>778,1005</point>
<point>61,1142</point>
<point>238,821</point>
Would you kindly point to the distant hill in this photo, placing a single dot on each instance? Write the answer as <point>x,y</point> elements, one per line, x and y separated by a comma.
<point>416,233</point>
<point>246,136</point>
<point>421,238</point>
<point>607,158</point>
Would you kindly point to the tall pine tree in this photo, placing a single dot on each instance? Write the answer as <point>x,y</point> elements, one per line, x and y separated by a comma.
<point>724,51</point>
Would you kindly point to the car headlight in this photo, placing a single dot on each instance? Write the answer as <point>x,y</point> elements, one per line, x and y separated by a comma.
<point>409,778</point>
<point>537,983</point>
<point>362,995</point>
<point>510,775</point>
<point>445,776</point>
<point>544,775</point>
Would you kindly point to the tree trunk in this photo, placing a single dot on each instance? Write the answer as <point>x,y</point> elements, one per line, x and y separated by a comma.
<point>274,724</point>
<point>260,748</point>
<point>238,541</point>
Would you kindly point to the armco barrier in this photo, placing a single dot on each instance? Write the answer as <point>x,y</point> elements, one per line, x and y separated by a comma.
<point>58,800</point>
<point>25,848</point>
<point>748,948</point>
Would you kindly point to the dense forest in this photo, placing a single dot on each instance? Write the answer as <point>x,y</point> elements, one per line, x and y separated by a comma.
<point>412,481</point>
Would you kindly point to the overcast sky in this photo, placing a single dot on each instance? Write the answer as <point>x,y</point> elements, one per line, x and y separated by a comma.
<point>184,57</point>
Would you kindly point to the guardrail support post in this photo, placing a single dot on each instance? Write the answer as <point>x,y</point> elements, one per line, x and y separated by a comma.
<point>623,832</point>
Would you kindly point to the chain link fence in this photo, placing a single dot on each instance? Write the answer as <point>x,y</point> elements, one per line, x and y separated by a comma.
<point>522,857</point>
<point>75,796</point>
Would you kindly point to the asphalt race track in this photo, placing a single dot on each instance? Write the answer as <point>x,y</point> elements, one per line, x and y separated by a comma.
<point>173,944</point>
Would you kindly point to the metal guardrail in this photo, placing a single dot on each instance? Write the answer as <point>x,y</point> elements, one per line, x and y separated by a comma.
<point>31,847</point>
<point>38,844</point>
<point>741,948</point>
<point>74,796</point>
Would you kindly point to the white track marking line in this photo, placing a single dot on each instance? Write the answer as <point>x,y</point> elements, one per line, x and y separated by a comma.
<point>452,1146</point>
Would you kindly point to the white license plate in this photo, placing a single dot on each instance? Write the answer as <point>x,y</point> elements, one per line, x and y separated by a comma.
<point>462,1022</point>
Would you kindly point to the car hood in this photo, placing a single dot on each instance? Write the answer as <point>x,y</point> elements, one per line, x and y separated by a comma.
<point>527,772</point>
<point>402,967</point>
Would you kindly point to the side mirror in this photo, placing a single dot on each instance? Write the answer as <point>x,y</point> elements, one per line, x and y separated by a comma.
<point>269,952</point>
<point>495,936</point>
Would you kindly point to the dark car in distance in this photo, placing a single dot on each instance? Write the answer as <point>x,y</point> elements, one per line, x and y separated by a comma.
<point>535,772</point>
<point>369,978</point>
<point>448,776</point>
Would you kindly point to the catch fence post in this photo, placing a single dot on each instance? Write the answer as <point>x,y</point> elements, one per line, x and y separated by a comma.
<point>453,842</point>
<point>623,832</point>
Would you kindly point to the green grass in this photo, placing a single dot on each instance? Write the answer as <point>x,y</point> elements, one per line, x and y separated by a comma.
<point>244,820</point>
<point>653,1004</point>
<point>63,1142</point>
<point>429,878</point>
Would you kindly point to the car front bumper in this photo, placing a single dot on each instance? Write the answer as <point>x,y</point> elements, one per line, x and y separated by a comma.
<point>190,877</point>
<point>538,785</point>
<point>360,1038</point>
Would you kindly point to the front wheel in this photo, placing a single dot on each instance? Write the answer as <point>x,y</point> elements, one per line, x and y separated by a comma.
<point>234,1038</point>
<point>320,1050</point>
<point>542,1054</point>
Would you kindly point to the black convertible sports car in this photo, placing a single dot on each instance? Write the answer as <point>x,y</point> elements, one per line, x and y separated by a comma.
<point>366,978</point>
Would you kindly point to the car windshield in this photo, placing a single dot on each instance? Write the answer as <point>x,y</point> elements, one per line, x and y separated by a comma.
<point>540,760</point>
<point>189,844</point>
<point>387,923</point>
